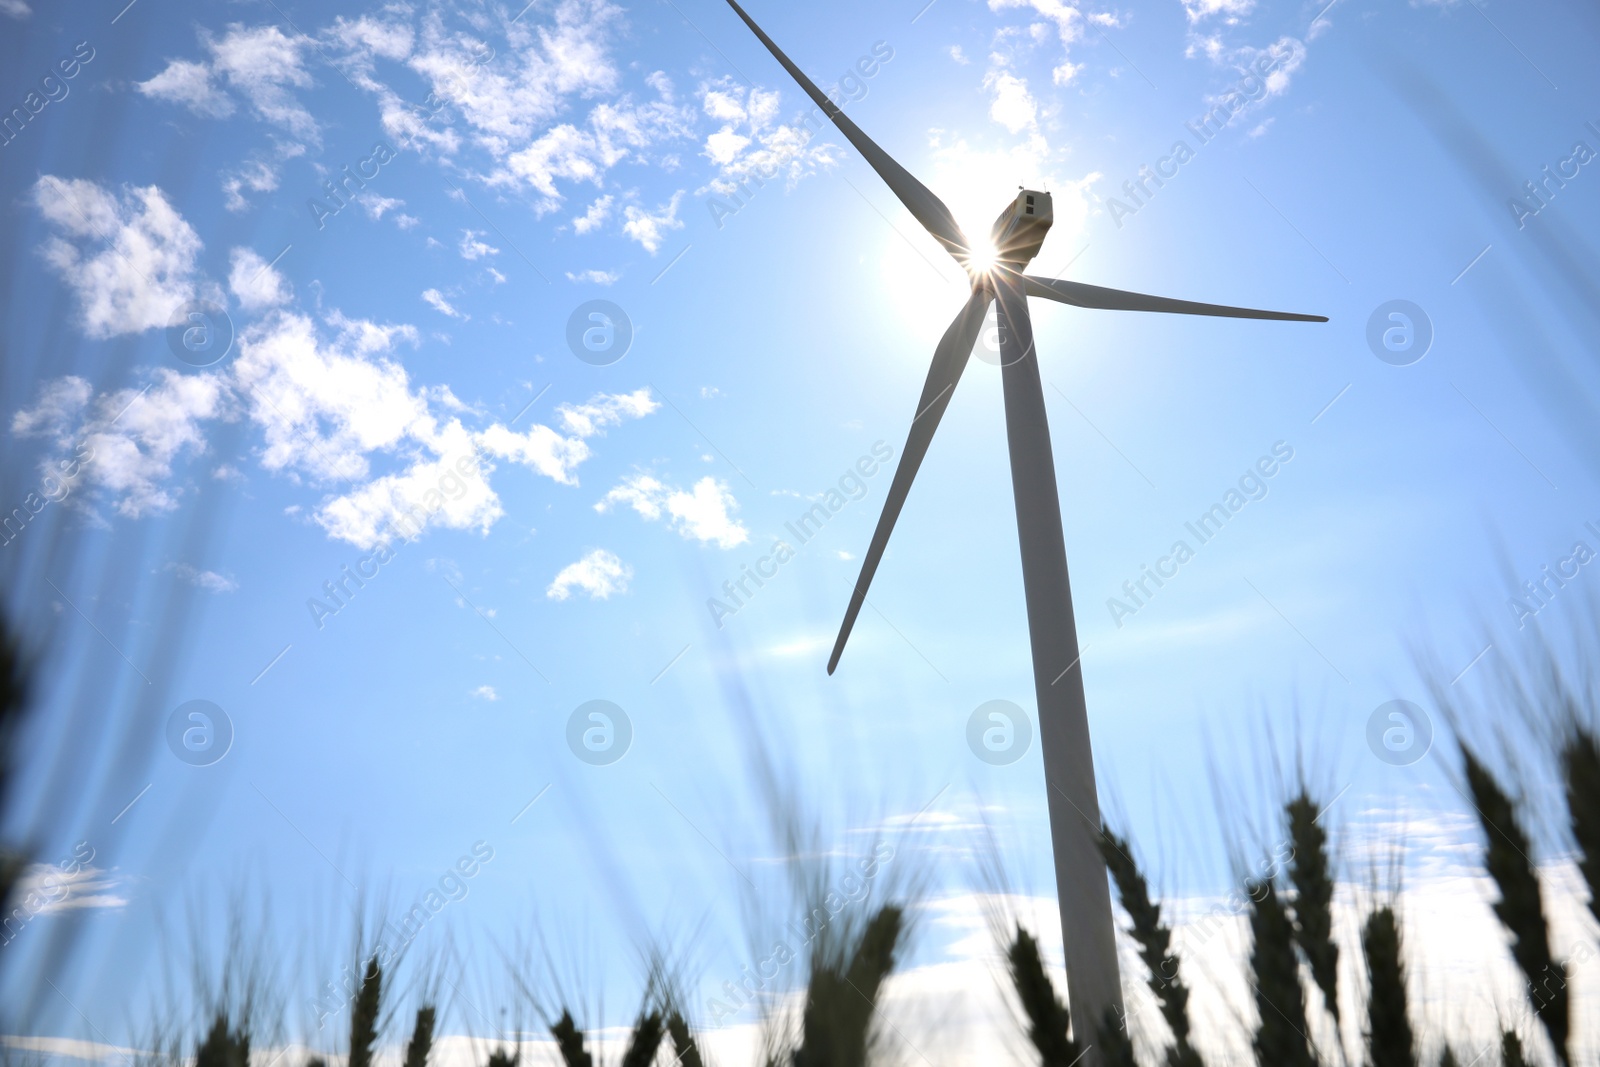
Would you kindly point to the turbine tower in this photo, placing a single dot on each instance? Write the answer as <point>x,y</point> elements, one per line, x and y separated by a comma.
<point>1084,896</point>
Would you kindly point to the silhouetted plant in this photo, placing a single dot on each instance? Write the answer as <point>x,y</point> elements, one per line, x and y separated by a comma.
<point>648,1033</point>
<point>224,1045</point>
<point>842,997</point>
<point>1520,908</point>
<point>421,1042</point>
<point>1580,766</point>
<point>364,1015</point>
<point>1154,939</point>
<point>1309,873</point>
<point>683,1043</point>
<point>1049,1021</point>
<point>569,1042</point>
<point>1281,1033</point>
<point>1390,1042</point>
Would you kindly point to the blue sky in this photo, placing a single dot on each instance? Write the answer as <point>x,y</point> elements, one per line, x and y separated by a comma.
<point>514,166</point>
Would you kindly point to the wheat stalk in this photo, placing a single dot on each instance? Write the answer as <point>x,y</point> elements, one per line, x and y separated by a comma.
<point>1580,765</point>
<point>683,1043</point>
<point>648,1032</point>
<point>1049,1021</point>
<point>421,1039</point>
<point>1154,939</point>
<point>1280,1039</point>
<point>842,997</point>
<point>223,1046</point>
<point>569,1041</point>
<point>1390,1042</point>
<point>1313,900</point>
<point>364,1016</point>
<point>1520,908</point>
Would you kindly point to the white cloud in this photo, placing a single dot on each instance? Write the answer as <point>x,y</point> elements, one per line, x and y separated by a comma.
<point>703,514</point>
<point>431,491</point>
<point>1011,105</point>
<point>16,9</point>
<point>958,55</point>
<point>368,337</point>
<point>598,575</point>
<point>1230,10</point>
<point>45,888</point>
<point>650,229</point>
<point>555,456</point>
<point>540,449</point>
<point>190,84</point>
<point>485,692</point>
<point>132,436</point>
<point>130,260</point>
<point>255,283</point>
<point>257,175</point>
<point>591,220</point>
<point>375,206</point>
<point>606,409</point>
<point>1069,22</point>
<point>259,63</point>
<point>326,409</point>
<point>61,402</point>
<point>210,581</point>
<point>751,144</point>
<point>323,409</point>
<point>436,300</point>
<point>474,247</point>
<point>593,277</point>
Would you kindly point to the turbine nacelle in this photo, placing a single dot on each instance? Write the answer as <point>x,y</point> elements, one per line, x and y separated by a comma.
<point>1019,232</point>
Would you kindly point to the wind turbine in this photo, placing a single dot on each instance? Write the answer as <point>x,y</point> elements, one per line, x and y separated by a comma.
<point>997,277</point>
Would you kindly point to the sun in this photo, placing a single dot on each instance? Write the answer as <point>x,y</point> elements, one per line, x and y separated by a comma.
<point>982,258</point>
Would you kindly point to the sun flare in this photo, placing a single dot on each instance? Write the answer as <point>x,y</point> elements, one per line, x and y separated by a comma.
<point>983,257</point>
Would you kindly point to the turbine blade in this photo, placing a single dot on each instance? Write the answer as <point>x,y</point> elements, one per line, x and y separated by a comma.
<point>949,360</point>
<point>1093,296</point>
<point>925,207</point>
